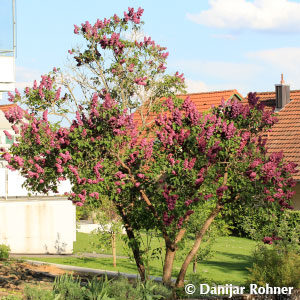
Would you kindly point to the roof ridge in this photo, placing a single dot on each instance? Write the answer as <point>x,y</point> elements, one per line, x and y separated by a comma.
<point>13,104</point>
<point>210,92</point>
<point>273,92</point>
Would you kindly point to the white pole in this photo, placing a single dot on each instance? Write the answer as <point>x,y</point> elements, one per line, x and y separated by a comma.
<point>6,183</point>
<point>14,26</point>
<point>14,35</point>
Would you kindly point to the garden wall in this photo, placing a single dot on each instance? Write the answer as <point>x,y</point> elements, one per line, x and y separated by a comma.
<point>38,224</point>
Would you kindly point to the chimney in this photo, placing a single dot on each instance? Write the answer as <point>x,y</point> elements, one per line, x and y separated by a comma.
<point>282,94</point>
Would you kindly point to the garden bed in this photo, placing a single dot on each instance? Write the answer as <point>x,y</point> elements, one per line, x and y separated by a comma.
<point>15,275</point>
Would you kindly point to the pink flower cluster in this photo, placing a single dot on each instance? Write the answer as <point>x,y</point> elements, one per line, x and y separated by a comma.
<point>167,219</point>
<point>269,240</point>
<point>170,199</point>
<point>221,190</point>
<point>191,201</point>
<point>15,114</point>
<point>133,16</point>
<point>9,136</point>
<point>188,165</point>
<point>141,80</point>
<point>180,76</point>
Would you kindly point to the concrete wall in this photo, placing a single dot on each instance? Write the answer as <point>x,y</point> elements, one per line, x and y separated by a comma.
<point>91,228</point>
<point>31,225</point>
<point>296,198</point>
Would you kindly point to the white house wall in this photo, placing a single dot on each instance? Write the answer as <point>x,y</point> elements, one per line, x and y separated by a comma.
<point>11,185</point>
<point>35,226</point>
<point>4,124</point>
<point>7,73</point>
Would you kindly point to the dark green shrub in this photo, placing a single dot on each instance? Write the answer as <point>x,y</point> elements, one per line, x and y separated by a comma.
<point>4,252</point>
<point>285,225</point>
<point>244,223</point>
<point>275,265</point>
<point>293,218</point>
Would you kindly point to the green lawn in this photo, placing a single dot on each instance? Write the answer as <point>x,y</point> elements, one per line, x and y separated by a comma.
<point>228,265</point>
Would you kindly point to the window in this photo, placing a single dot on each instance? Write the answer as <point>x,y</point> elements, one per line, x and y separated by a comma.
<point>8,141</point>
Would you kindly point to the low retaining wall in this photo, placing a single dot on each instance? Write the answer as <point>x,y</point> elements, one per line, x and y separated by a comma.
<point>36,225</point>
<point>89,228</point>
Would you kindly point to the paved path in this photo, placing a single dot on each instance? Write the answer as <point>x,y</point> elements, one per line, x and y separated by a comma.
<point>84,254</point>
<point>109,274</point>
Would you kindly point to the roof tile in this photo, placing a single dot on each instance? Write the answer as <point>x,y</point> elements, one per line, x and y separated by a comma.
<point>7,107</point>
<point>285,134</point>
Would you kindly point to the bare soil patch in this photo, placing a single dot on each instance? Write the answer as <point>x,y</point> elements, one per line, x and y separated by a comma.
<point>15,275</point>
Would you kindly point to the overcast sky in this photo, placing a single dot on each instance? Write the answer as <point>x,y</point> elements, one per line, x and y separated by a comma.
<point>217,44</point>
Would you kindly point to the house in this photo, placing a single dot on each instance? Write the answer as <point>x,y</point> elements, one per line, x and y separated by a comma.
<point>204,101</point>
<point>285,134</point>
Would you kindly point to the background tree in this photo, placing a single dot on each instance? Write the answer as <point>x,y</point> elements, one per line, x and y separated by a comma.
<point>110,226</point>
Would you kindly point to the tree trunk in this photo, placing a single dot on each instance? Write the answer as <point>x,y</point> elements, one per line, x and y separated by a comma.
<point>193,252</point>
<point>113,245</point>
<point>195,265</point>
<point>133,244</point>
<point>168,265</point>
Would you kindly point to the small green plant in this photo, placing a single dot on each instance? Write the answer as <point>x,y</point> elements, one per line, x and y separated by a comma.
<point>11,297</point>
<point>98,289</point>
<point>4,252</point>
<point>37,293</point>
<point>68,287</point>
<point>150,290</point>
<point>122,289</point>
<point>275,265</point>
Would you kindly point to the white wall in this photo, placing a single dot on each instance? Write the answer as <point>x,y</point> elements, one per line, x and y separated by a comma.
<point>38,226</point>
<point>90,228</point>
<point>7,73</point>
<point>13,186</point>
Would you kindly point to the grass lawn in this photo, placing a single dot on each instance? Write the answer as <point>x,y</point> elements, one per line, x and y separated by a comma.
<point>228,265</point>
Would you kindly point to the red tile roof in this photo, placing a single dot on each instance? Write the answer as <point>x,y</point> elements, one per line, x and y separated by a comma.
<point>285,134</point>
<point>269,98</point>
<point>7,107</point>
<point>203,101</point>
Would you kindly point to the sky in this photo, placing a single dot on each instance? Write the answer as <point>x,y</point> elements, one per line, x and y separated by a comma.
<point>217,44</point>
